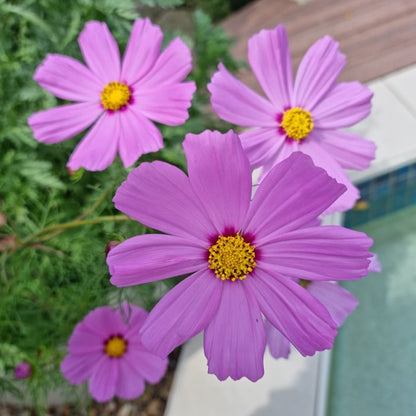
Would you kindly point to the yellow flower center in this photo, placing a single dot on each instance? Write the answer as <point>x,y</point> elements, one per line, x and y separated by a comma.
<point>115,95</point>
<point>297,123</point>
<point>115,347</point>
<point>232,258</point>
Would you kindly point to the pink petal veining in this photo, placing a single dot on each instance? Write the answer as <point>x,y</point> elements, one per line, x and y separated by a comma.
<point>269,57</point>
<point>100,51</point>
<point>235,339</point>
<point>68,79</point>
<point>224,188</point>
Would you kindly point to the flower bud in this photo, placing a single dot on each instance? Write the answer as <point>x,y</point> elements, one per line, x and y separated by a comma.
<point>110,245</point>
<point>23,370</point>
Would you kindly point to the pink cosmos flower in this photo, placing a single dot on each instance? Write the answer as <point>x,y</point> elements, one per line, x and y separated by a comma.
<point>120,98</point>
<point>302,116</point>
<point>243,255</point>
<point>105,349</point>
<point>338,301</point>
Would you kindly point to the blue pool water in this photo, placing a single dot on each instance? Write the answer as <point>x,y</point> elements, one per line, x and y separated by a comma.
<point>373,365</point>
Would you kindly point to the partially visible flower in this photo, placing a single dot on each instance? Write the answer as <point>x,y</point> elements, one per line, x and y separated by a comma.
<point>8,243</point>
<point>120,98</point>
<point>305,115</point>
<point>23,370</point>
<point>375,265</point>
<point>110,245</point>
<point>243,255</point>
<point>338,301</point>
<point>2,220</point>
<point>105,348</point>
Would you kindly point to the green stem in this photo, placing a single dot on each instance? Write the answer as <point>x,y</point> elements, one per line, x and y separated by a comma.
<point>52,229</point>
<point>58,230</point>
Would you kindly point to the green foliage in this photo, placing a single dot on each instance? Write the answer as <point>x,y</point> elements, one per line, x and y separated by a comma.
<point>50,278</point>
<point>211,45</point>
<point>217,9</point>
<point>164,4</point>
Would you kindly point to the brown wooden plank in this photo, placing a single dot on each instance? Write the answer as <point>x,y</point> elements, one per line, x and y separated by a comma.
<point>378,36</point>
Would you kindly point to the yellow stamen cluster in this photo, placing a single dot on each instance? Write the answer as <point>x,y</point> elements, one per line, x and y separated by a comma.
<point>232,258</point>
<point>115,347</point>
<point>115,95</point>
<point>297,123</point>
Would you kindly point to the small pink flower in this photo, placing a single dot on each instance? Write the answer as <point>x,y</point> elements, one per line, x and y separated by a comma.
<point>23,370</point>
<point>120,98</point>
<point>305,115</point>
<point>105,349</point>
<point>244,257</point>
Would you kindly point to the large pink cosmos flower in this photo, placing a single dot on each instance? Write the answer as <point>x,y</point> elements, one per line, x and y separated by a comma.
<point>246,257</point>
<point>303,116</point>
<point>119,98</point>
<point>338,301</point>
<point>106,349</point>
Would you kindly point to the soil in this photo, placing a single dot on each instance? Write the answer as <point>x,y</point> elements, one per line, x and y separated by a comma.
<point>151,403</point>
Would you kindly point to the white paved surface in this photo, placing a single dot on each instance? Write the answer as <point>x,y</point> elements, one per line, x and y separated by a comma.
<point>292,387</point>
<point>391,124</point>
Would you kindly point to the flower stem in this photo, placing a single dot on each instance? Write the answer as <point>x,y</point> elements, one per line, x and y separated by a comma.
<point>53,230</point>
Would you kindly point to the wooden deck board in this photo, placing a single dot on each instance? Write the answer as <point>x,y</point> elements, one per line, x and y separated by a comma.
<point>378,36</point>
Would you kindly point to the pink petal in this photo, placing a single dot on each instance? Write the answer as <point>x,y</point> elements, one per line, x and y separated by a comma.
<point>98,148</point>
<point>151,257</point>
<point>172,66</point>
<point>317,72</point>
<point>279,346</point>
<point>318,253</point>
<point>138,136</point>
<point>167,104</point>
<point>64,122</point>
<point>134,318</point>
<point>102,384</point>
<point>100,51</point>
<point>375,265</point>
<point>346,104</point>
<point>78,368</point>
<point>235,339</point>
<point>160,196</point>
<point>261,145</point>
<point>269,57</point>
<point>103,321</point>
<point>142,50</point>
<point>148,365</point>
<point>220,174</point>
<point>182,313</point>
<point>324,160</point>
<point>348,149</point>
<point>294,193</point>
<point>129,383</point>
<point>83,340</point>
<point>293,311</point>
<point>339,302</point>
<point>68,79</point>
<point>284,151</point>
<point>236,103</point>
